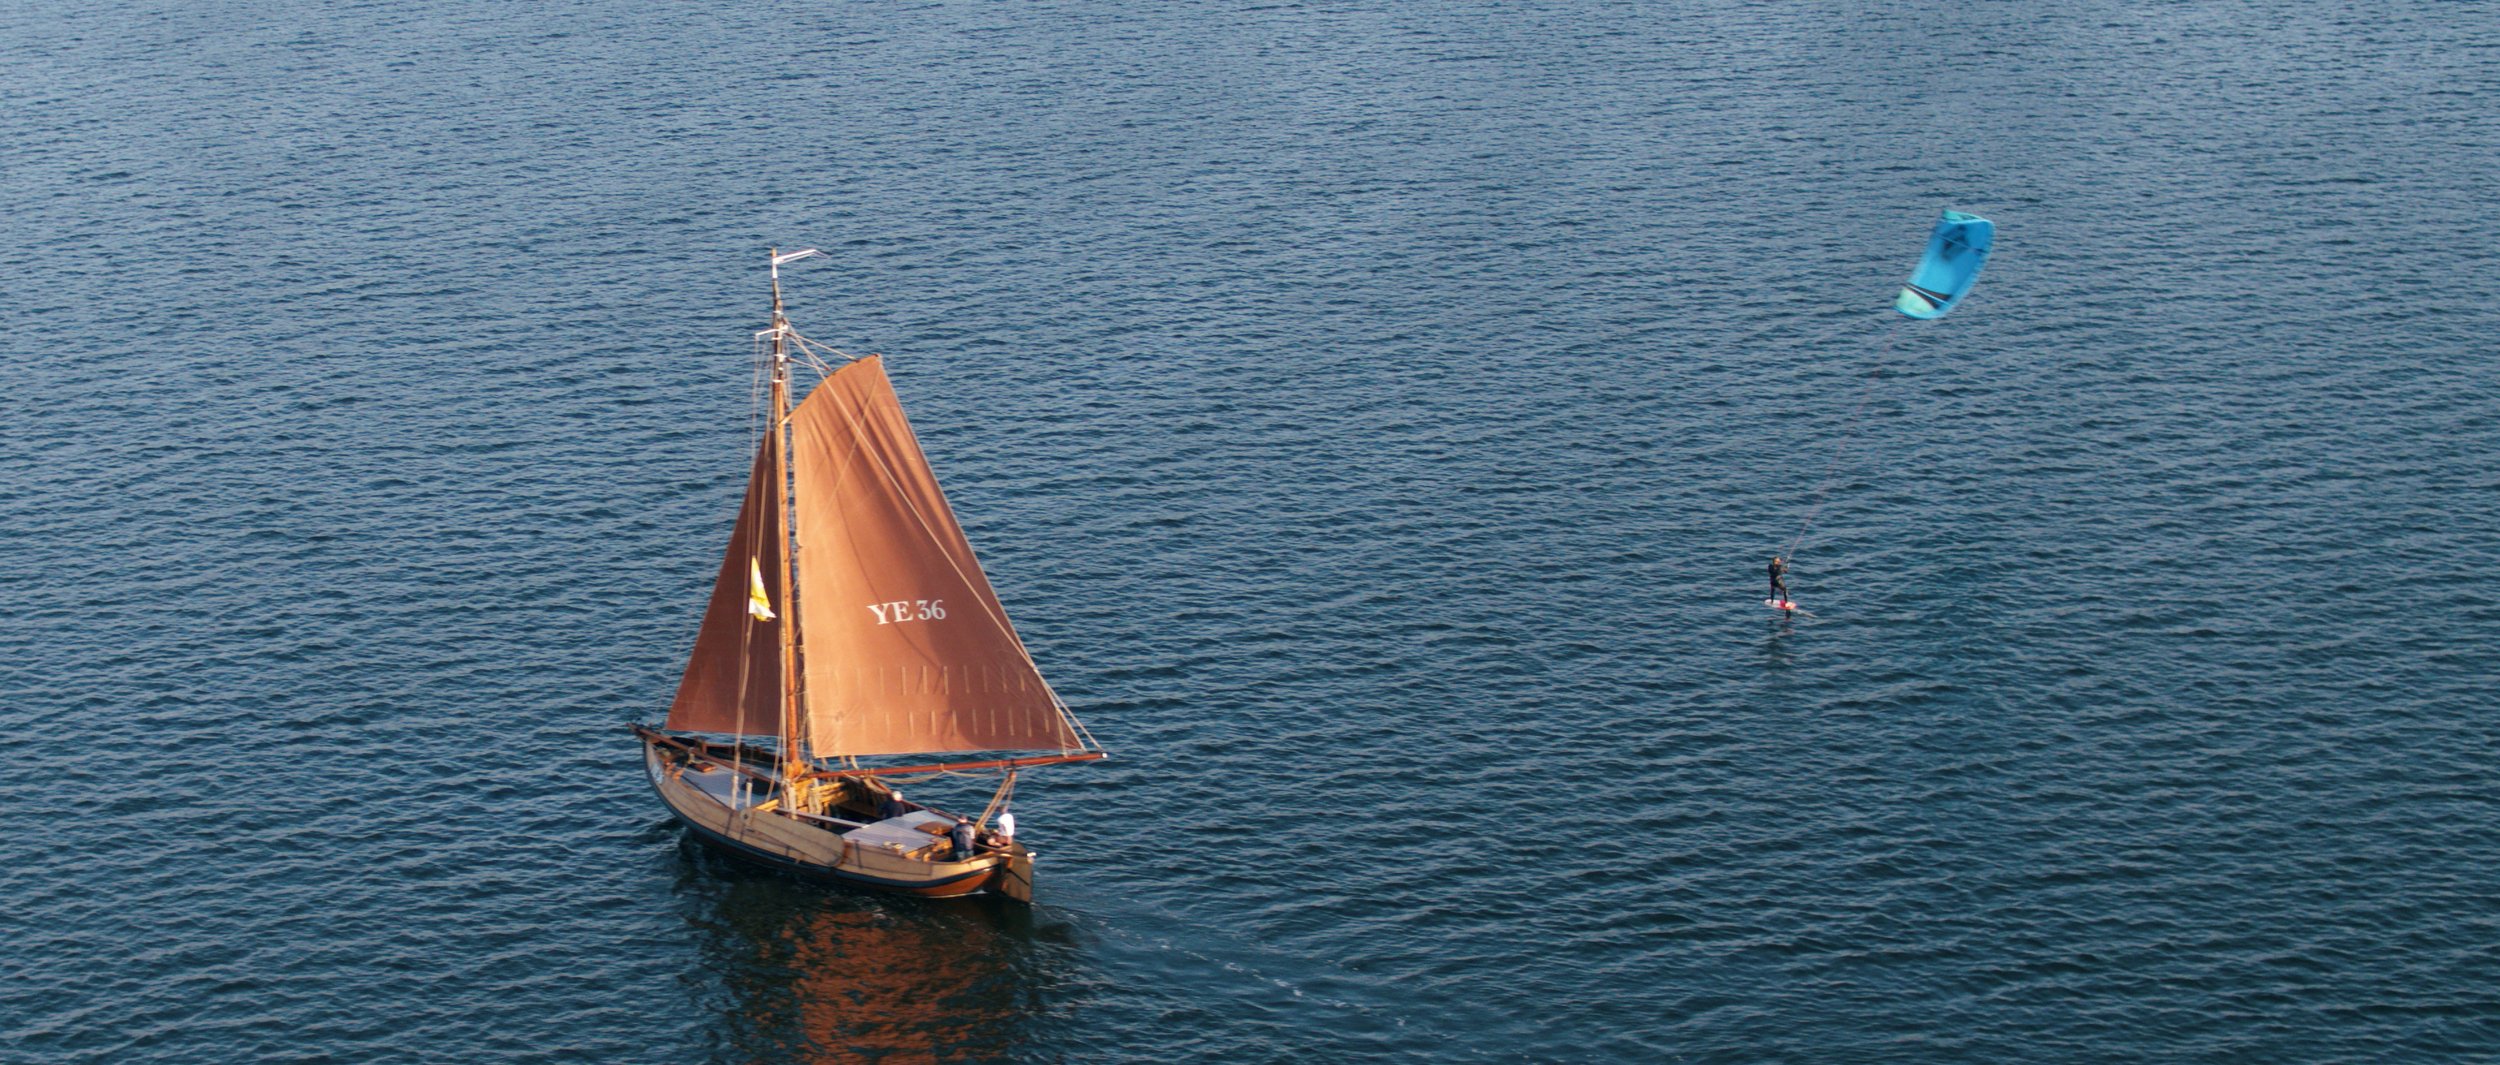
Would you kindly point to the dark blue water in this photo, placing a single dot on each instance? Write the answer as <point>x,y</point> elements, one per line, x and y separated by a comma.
<point>1377,417</point>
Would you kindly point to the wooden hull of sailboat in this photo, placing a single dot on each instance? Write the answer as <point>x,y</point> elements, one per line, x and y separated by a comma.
<point>700,795</point>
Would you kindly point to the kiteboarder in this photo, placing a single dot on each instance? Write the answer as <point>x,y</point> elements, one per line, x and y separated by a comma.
<point>1956,250</point>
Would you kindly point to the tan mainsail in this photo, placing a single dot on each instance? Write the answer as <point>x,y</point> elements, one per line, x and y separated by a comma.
<point>707,697</point>
<point>906,649</point>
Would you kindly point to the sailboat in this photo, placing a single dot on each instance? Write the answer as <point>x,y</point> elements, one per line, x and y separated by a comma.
<point>852,626</point>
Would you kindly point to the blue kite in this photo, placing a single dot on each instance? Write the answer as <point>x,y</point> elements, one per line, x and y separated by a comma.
<point>1955,252</point>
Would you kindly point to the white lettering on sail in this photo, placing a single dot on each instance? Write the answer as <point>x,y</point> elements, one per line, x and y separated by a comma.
<point>902,610</point>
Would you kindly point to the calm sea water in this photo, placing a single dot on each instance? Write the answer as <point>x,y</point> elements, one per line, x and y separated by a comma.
<point>1377,417</point>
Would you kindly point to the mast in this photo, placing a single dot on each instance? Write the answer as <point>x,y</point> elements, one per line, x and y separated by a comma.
<point>793,723</point>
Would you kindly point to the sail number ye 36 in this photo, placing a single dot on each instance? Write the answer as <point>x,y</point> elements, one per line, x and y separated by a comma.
<point>903,610</point>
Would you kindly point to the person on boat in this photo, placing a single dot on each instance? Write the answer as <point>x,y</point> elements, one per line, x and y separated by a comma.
<point>893,806</point>
<point>961,834</point>
<point>1779,579</point>
<point>1002,833</point>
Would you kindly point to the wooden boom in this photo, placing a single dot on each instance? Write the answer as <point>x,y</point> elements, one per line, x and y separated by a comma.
<point>705,749</point>
<point>1002,763</point>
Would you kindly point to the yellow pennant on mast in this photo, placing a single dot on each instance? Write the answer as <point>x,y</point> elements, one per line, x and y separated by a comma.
<point>759,605</point>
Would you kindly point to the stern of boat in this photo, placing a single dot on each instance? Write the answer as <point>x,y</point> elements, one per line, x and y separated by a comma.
<point>1015,878</point>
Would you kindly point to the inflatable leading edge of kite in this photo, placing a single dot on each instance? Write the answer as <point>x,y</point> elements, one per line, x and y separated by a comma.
<point>1955,252</point>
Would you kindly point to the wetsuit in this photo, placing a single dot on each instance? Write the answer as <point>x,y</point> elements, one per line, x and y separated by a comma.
<point>1779,583</point>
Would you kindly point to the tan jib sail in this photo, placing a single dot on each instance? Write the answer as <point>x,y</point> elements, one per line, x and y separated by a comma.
<point>736,638</point>
<point>906,648</point>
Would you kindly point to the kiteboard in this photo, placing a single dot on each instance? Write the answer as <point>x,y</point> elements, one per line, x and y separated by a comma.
<point>1788,605</point>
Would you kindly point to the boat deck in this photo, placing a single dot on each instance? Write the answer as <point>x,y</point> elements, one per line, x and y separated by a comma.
<point>722,785</point>
<point>909,832</point>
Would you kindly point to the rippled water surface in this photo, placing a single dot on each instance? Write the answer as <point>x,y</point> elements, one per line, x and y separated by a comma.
<point>1377,416</point>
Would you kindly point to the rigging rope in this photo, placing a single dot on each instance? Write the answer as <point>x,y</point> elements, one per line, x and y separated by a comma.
<point>740,788</point>
<point>1848,436</point>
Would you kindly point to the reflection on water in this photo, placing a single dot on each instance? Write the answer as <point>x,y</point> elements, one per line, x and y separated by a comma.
<point>808,973</point>
<point>1776,654</point>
